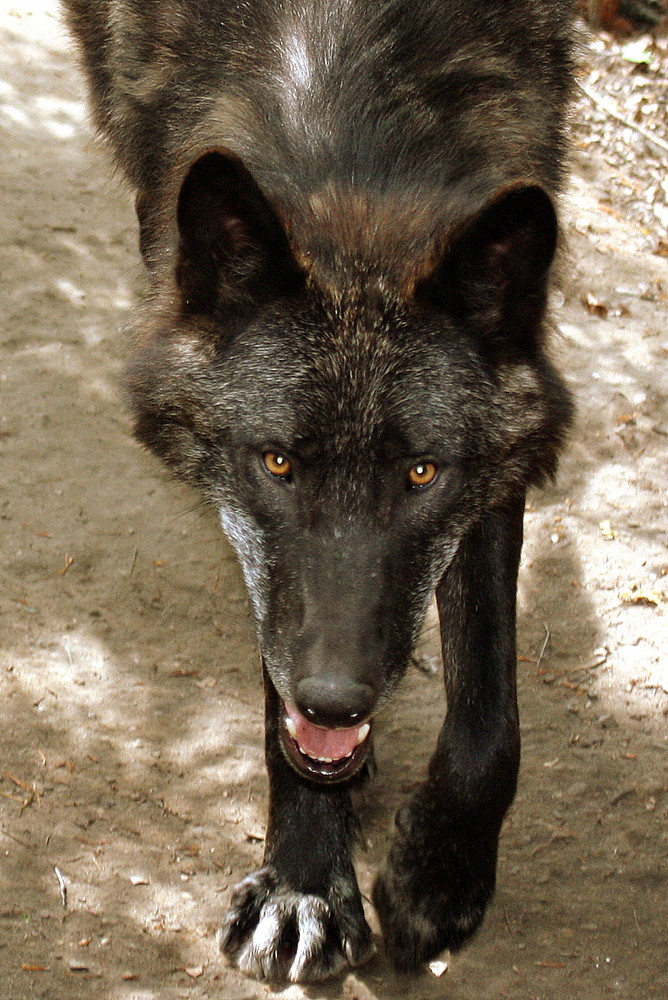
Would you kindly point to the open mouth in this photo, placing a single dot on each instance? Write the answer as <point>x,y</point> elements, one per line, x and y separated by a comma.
<point>324,755</point>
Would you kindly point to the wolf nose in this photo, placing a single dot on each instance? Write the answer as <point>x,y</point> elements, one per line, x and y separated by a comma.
<point>333,703</point>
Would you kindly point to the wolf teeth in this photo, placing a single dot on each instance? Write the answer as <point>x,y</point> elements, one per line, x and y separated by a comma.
<point>291,728</point>
<point>363,733</point>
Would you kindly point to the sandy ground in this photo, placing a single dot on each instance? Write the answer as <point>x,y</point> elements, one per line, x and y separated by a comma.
<point>132,790</point>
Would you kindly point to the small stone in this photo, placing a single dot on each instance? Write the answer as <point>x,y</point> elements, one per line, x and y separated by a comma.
<point>76,965</point>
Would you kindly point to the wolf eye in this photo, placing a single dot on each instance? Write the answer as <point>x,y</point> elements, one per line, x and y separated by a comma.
<point>422,473</point>
<point>278,465</point>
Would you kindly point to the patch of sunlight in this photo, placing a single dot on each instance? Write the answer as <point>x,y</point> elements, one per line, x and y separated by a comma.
<point>78,687</point>
<point>73,294</point>
<point>39,22</point>
<point>60,359</point>
<point>576,334</point>
<point>236,770</point>
<point>56,107</point>
<point>215,727</point>
<point>15,115</point>
<point>60,130</point>
<point>62,119</point>
<point>135,995</point>
<point>122,299</point>
<point>297,993</point>
<point>32,36</point>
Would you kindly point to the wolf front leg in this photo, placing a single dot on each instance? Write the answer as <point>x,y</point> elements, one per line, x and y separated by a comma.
<point>300,916</point>
<point>441,869</point>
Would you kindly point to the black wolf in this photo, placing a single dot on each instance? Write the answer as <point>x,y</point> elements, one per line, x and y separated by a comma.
<point>346,210</point>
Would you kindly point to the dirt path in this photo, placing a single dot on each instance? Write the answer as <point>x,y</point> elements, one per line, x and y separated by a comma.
<point>130,718</point>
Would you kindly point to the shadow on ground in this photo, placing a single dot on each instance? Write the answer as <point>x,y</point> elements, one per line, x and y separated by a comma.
<point>131,720</point>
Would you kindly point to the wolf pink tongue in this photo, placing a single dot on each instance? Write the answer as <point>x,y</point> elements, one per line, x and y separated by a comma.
<point>316,742</point>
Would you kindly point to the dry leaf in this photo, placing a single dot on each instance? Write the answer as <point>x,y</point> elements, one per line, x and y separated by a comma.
<point>634,595</point>
<point>69,560</point>
<point>593,306</point>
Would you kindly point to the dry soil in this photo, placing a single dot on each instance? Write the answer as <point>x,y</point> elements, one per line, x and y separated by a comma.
<point>132,789</point>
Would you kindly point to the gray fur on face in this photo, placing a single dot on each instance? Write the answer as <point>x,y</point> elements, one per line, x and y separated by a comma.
<point>248,542</point>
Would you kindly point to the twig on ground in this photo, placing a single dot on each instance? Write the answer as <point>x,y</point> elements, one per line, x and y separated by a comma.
<point>544,647</point>
<point>18,840</point>
<point>606,105</point>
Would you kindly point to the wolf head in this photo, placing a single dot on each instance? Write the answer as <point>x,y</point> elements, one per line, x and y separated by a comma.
<point>352,382</point>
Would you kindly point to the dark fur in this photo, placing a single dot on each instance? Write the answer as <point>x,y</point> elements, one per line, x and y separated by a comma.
<point>346,212</point>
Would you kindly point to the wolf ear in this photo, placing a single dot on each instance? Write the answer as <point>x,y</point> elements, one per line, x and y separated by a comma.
<point>494,275</point>
<point>233,250</point>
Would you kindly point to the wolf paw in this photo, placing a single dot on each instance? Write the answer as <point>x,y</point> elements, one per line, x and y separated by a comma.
<point>420,920</point>
<point>274,933</point>
<point>435,886</point>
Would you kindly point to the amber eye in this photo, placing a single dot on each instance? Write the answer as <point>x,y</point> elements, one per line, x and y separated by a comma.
<point>277,464</point>
<point>422,474</point>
